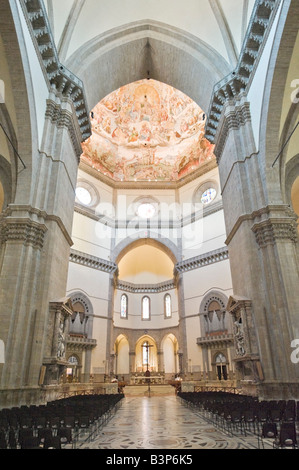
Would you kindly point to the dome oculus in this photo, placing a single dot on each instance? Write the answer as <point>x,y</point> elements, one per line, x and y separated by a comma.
<point>146,210</point>
<point>83,196</point>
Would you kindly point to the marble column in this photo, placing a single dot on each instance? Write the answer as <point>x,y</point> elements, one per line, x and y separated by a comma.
<point>35,235</point>
<point>261,239</point>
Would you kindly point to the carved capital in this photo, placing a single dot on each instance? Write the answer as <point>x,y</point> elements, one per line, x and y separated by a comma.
<point>24,231</point>
<point>269,232</point>
<point>63,118</point>
<point>234,118</point>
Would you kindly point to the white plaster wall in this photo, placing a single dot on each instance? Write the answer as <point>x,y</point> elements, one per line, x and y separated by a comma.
<point>157,319</point>
<point>98,356</point>
<point>94,284</point>
<point>91,237</point>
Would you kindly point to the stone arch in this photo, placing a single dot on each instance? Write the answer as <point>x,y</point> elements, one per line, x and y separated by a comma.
<point>20,115</point>
<point>206,322</point>
<point>213,295</point>
<point>142,238</point>
<point>114,54</point>
<point>275,87</point>
<point>153,358</point>
<point>7,183</point>
<point>170,357</point>
<point>79,296</point>
<point>291,174</point>
<point>85,326</point>
<point>122,348</point>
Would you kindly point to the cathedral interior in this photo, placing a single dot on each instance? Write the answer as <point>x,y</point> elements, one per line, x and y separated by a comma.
<point>149,198</point>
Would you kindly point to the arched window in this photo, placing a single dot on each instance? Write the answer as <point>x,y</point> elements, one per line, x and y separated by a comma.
<point>124,306</point>
<point>145,309</point>
<point>167,306</point>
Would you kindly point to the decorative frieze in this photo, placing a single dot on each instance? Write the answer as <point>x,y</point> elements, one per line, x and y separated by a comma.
<point>197,262</point>
<point>145,288</point>
<point>23,231</point>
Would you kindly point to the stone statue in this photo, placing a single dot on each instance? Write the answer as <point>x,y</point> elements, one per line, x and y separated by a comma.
<point>61,341</point>
<point>239,336</point>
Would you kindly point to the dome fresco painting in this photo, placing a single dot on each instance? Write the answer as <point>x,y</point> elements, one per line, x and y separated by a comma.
<point>147,131</point>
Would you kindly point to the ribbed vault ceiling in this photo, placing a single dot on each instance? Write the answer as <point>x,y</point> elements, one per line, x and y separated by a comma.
<point>221,24</point>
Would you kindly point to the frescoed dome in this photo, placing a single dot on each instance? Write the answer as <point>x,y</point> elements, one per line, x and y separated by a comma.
<point>147,131</point>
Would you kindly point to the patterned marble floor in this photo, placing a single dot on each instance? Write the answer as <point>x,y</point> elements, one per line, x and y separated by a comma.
<point>163,423</point>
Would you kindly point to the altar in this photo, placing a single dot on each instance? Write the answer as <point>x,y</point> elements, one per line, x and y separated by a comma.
<point>141,379</point>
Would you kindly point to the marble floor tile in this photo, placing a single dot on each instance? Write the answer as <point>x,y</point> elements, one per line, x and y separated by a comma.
<point>163,423</point>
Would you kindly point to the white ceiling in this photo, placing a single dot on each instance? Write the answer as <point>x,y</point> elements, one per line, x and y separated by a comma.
<point>221,24</point>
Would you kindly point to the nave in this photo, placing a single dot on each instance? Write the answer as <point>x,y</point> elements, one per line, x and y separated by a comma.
<point>159,422</point>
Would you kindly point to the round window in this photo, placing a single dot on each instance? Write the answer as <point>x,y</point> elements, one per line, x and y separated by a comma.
<point>146,210</point>
<point>208,196</point>
<point>83,195</point>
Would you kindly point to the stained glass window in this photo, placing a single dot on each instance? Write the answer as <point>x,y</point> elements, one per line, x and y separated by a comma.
<point>145,308</point>
<point>208,196</point>
<point>167,301</point>
<point>124,306</point>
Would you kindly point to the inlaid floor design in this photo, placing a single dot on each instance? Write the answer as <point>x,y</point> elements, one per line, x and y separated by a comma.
<point>163,423</point>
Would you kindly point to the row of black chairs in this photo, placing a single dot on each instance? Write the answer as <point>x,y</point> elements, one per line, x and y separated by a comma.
<point>57,423</point>
<point>234,414</point>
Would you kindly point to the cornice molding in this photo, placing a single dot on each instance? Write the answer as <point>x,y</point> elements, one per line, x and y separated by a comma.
<point>197,262</point>
<point>202,260</point>
<point>92,262</point>
<point>145,185</point>
<point>33,214</point>
<point>146,288</point>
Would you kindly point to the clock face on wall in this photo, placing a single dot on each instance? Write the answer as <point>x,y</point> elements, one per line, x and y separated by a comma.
<point>147,131</point>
